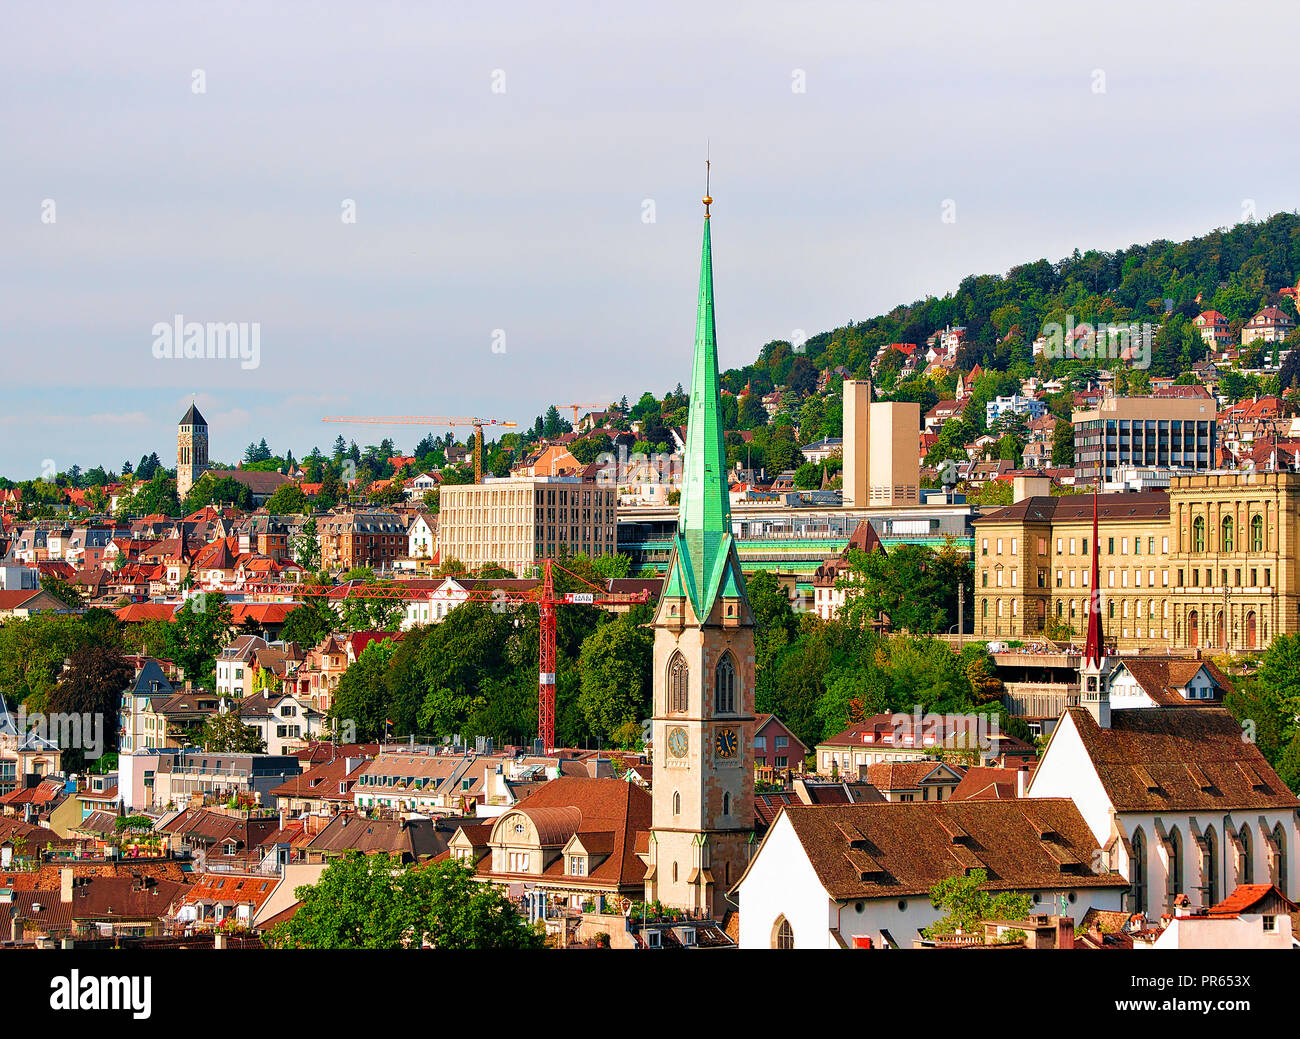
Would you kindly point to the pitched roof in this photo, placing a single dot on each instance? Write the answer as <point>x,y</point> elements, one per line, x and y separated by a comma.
<point>192,418</point>
<point>1162,678</point>
<point>1186,759</point>
<point>985,783</point>
<point>897,849</point>
<point>1077,508</point>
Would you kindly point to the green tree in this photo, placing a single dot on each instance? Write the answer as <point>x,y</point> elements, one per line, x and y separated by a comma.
<point>1063,444</point>
<point>967,905</point>
<point>92,684</point>
<point>362,694</point>
<point>616,671</point>
<point>909,588</point>
<point>288,499</point>
<point>225,733</point>
<point>306,547</point>
<point>198,631</point>
<point>375,902</point>
<point>309,623</point>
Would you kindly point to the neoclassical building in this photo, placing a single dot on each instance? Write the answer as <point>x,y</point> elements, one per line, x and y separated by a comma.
<point>1210,564</point>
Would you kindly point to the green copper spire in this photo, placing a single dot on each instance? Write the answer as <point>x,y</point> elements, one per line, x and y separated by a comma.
<point>704,561</point>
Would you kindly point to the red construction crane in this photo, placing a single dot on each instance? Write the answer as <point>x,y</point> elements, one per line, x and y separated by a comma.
<point>543,596</point>
<point>425,420</point>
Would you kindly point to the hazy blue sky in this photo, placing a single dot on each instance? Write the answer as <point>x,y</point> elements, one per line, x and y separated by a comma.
<point>522,210</point>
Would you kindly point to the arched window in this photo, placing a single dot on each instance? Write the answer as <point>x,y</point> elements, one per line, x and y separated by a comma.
<point>674,873</point>
<point>1198,534</point>
<point>1174,883</point>
<point>724,686</point>
<point>726,804</point>
<point>1227,539</point>
<point>677,803</point>
<point>1279,839</point>
<point>1257,533</point>
<point>678,677</point>
<point>782,934</point>
<point>1138,872</point>
<point>1210,867</point>
<point>1246,859</point>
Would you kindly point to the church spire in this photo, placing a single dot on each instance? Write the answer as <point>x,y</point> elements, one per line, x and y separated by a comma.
<point>1092,647</point>
<point>703,563</point>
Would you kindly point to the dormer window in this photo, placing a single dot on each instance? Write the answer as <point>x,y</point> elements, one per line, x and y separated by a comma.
<point>577,865</point>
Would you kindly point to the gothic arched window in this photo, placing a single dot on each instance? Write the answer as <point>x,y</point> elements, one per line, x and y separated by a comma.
<point>1210,867</point>
<point>1138,872</point>
<point>1246,863</point>
<point>724,686</point>
<point>678,675</point>
<point>782,934</point>
<point>1174,884</point>
<point>1279,838</point>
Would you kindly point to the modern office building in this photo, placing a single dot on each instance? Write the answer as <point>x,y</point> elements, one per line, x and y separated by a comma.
<point>516,521</point>
<point>1148,432</point>
<point>882,452</point>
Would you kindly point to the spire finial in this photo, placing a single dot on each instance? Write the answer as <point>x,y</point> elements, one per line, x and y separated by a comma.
<point>708,199</point>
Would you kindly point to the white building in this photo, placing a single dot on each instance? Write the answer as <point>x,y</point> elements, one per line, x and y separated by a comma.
<point>284,722</point>
<point>422,537</point>
<point>1179,800</point>
<point>860,876</point>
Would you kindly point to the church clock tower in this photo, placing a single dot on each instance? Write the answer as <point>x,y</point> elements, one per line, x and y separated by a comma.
<point>191,451</point>
<point>703,724</point>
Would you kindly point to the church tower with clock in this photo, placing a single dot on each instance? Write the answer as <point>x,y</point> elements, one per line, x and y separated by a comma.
<point>703,711</point>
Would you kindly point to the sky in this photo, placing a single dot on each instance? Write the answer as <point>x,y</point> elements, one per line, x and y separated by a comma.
<point>481,209</point>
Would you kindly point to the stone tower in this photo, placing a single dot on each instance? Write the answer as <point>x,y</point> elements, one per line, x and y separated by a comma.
<point>703,723</point>
<point>191,451</point>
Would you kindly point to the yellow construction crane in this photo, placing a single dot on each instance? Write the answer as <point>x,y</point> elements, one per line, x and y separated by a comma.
<point>575,408</point>
<point>425,420</point>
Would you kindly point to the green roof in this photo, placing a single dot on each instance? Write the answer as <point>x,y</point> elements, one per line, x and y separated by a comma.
<point>704,562</point>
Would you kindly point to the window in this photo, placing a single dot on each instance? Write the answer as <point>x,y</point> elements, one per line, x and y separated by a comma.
<point>1257,534</point>
<point>1138,873</point>
<point>1198,534</point>
<point>782,934</point>
<point>1174,883</point>
<point>1210,867</point>
<point>1227,539</point>
<point>1245,862</point>
<point>1279,840</point>
<point>678,674</point>
<point>724,686</point>
<point>677,803</point>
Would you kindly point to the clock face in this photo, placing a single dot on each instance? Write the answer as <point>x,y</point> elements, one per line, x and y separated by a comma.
<point>725,743</point>
<point>678,743</point>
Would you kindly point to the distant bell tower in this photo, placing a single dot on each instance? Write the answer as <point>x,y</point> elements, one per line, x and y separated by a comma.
<point>191,451</point>
<point>703,723</point>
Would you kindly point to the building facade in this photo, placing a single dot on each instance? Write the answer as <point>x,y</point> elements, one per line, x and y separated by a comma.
<point>1159,432</point>
<point>1208,565</point>
<point>517,521</point>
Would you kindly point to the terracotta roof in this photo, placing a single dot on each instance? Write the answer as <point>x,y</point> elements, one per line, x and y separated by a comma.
<point>892,850</point>
<point>1245,896</point>
<point>1185,759</point>
<point>1161,678</point>
<point>984,783</point>
<point>909,775</point>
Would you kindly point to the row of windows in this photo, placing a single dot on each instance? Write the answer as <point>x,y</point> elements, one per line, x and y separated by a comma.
<point>1211,887</point>
<point>1227,534</point>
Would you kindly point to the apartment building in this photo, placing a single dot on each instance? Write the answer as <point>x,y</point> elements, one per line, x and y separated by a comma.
<point>881,457</point>
<point>1210,564</point>
<point>1164,432</point>
<point>372,538</point>
<point>516,521</point>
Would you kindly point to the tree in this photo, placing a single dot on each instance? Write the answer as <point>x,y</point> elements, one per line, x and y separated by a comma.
<point>909,588</point>
<point>616,671</point>
<point>92,685</point>
<point>288,499</point>
<point>225,733</point>
<point>309,623</point>
<point>375,902</point>
<point>966,906</point>
<point>306,547</point>
<point>1063,444</point>
<point>197,632</point>
<point>362,694</point>
<point>62,590</point>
